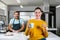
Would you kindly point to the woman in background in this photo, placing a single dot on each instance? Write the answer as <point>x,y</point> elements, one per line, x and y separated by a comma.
<point>16,24</point>
<point>37,28</point>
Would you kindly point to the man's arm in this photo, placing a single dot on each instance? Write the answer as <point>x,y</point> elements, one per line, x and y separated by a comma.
<point>10,28</point>
<point>10,25</point>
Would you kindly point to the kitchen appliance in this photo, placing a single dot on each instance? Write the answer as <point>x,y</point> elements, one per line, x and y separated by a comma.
<point>2,27</point>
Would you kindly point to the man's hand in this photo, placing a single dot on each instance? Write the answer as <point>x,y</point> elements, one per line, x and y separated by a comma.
<point>15,31</point>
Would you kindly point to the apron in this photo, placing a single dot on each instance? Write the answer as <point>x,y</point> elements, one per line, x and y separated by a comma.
<point>16,26</point>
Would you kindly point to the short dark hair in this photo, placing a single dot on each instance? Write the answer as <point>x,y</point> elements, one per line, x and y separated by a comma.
<point>38,8</point>
<point>17,12</point>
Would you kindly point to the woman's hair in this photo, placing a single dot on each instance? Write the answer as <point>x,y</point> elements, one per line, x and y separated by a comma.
<point>17,12</point>
<point>38,8</point>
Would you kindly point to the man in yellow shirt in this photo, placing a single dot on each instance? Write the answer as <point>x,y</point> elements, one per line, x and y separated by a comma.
<point>37,28</point>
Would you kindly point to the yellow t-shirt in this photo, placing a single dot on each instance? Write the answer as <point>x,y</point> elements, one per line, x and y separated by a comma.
<point>37,30</point>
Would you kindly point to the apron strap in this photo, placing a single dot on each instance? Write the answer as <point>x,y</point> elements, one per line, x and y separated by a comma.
<point>14,20</point>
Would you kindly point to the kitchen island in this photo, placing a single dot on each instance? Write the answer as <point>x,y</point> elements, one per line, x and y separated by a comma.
<point>21,36</point>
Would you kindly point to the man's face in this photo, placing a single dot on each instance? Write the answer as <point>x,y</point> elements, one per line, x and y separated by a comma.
<point>38,13</point>
<point>16,15</point>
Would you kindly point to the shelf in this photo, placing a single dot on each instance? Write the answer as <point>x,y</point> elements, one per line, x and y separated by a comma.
<point>52,28</point>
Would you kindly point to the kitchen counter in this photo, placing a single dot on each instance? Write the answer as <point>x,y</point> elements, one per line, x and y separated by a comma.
<point>21,36</point>
<point>16,36</point>
<point>52,36</point>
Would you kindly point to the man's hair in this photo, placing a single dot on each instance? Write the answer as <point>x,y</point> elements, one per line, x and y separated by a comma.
<point>38,8</point>
<point>17,12</point>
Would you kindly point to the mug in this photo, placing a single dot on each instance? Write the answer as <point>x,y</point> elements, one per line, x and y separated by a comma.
<point>31,25</point>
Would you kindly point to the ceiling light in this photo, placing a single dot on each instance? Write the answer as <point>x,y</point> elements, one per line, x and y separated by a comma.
<point>21,6</point>
<point>18,1</point>
<point>58,6</point>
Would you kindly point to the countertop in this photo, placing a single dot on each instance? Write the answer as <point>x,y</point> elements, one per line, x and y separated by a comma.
<point>21,36</point>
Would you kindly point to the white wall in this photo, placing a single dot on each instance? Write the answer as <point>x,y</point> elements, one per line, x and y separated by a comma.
<point>58,17</point>
<point>58,20</point>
